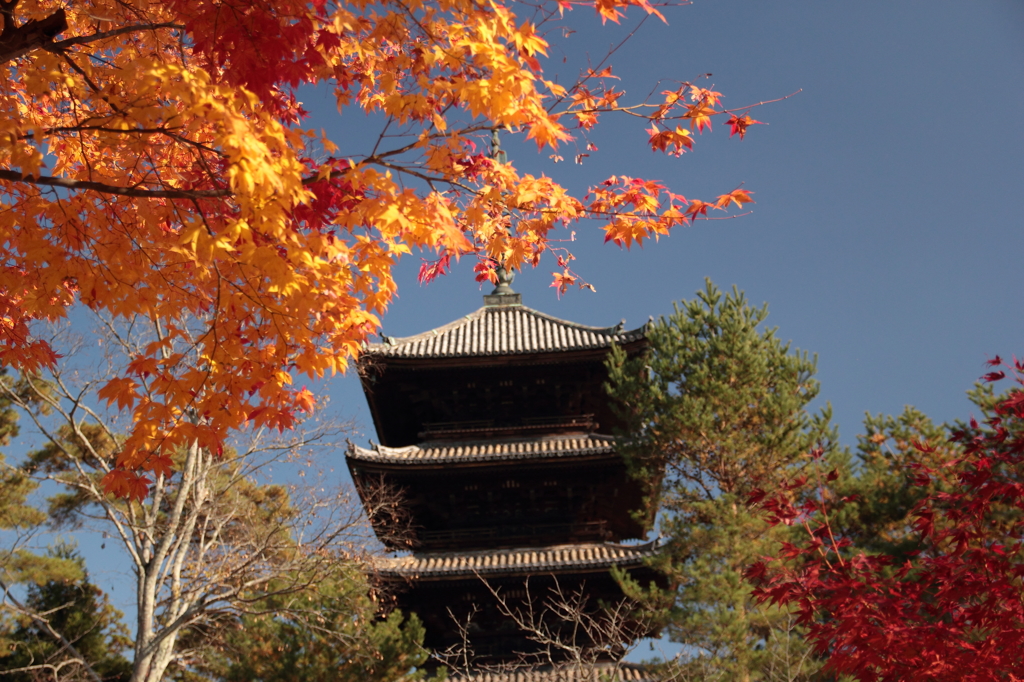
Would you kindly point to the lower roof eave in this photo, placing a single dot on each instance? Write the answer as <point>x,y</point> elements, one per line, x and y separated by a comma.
<point>560,559</point>
<point>616,672</point>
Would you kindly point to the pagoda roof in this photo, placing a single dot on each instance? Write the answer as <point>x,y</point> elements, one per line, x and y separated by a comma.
<point>623,672</point>
<point>486,451</point>
<point>521,561</point>
<point>504,330</point>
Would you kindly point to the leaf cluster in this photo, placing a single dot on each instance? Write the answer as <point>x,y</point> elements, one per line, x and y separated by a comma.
<point>949,609</point>
<point>155,163</point>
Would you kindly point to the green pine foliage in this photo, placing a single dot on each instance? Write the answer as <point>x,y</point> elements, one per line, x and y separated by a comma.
<point>15,512</point>
<point>20,567</point>
<point>877,481</point>
<point>717,407</point>
<point>330,631</point>
<point>83,616</point>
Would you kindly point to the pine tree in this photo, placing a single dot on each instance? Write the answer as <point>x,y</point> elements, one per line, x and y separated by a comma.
<point>329,631</point>
<point>715,408</point>
<point>878,481</point>
<point>83,616</point>
<point>24,640</point>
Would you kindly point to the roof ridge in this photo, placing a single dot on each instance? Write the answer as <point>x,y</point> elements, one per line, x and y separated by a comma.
<point>454,324</point>
<point>566,546</point>
<point>619,671</point>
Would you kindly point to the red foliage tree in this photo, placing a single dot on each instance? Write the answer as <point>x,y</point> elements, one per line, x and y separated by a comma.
<point>955,609</point>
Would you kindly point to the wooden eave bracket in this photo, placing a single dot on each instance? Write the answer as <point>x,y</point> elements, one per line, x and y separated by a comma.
<point>17,41</point>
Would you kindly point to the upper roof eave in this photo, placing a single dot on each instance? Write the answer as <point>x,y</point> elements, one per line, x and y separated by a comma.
<point>504,330</point>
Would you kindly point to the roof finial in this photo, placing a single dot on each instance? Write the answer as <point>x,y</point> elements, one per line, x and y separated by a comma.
<point>503,294</point>
<point>505,279</point>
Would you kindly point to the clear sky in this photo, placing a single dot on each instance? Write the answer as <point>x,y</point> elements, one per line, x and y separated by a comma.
<point>887,232</point>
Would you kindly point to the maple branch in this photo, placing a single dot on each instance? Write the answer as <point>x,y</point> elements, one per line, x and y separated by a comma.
<point>103,188</point>
<point>17,41</point>
<point>592,72</point>
<point>767,101</point>
<point>84,40</point>
<point>173,193</point>
<point>637,110</point>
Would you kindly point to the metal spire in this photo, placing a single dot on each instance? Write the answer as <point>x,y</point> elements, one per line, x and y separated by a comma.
<point>497,153</point>
<point>503,293</point>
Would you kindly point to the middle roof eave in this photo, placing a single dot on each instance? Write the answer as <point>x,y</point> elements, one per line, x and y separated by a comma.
<point>486,451</point>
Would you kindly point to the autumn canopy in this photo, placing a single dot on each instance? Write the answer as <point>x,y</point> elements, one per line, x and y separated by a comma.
<point>154,168</point>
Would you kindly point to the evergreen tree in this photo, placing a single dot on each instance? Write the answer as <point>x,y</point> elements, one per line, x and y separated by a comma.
<point>878,481</point>
<point>17,516</point>
<point>80,612</point>
<point>327,632</point>
<point>28,636</point>
<point>716,408</point>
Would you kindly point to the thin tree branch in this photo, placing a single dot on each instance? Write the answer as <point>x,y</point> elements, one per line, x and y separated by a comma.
<point>50,630</point>
<point>84,40</point>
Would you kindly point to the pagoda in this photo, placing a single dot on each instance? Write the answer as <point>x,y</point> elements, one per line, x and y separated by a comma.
<point>502,483</point>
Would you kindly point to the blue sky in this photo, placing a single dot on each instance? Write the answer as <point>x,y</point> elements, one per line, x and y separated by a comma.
<point>887,232</point>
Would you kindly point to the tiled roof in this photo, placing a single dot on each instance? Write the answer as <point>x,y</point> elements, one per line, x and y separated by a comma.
<point>514,561</point>
<point>618,673</point>
<point>503,330</point>
<point>441,453</point>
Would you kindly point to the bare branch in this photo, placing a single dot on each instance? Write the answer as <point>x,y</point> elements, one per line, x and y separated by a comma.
<point>103,35</point>
<point>104,188</point>
<point>44,624</point>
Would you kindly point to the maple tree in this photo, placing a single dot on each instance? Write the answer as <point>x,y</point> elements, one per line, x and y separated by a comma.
<point>948,603</point>
<point>154,166</point>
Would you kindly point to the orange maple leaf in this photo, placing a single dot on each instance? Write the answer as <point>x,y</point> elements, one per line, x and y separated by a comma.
<point>674,142</point>
<point>121,483</point>
<point>119,390</point>
<point>739,125</point>
<point>737,196</point>
<point>161,465</point>
<point>700,115</point>
<point>563,280</point>
<point>696,208</point>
